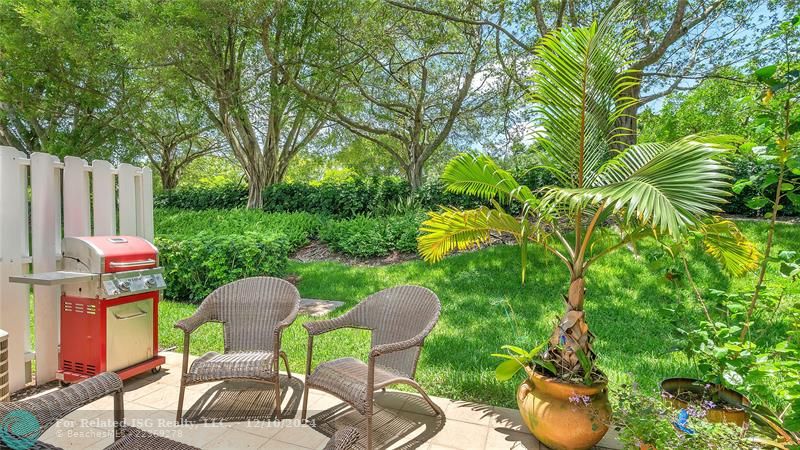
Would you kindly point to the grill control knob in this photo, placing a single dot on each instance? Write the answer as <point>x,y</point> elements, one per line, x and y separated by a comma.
<point>124,285</point>
<point>150,282</point>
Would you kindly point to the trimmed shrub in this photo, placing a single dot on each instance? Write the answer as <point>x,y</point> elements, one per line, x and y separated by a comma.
<point>298,228</point>
<point>196,265</point>
<point>219,197</point>
<point>366,236</point>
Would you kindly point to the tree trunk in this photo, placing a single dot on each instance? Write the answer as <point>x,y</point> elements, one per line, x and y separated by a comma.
<point>255,194</point>
<point>169,179</point>
<point>572,334</point>
<point>414,174</point>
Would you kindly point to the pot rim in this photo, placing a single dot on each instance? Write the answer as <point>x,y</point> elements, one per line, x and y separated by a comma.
<point>745,402</point>
<point>592,389</point>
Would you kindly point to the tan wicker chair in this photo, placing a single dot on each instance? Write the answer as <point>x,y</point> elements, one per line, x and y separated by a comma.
<point>254,312</point>
<point>400,319</point>
<point>49,408</point>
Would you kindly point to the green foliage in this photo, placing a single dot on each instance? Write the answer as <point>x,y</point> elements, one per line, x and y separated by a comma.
<point>719,104</point>
<point>298,228</point>
<point>226,196</point>
<point>643,418</point>
<point>196,265</point>
<point>517,358</point>
<point>344,198</point>
<point>372,236</point>
<point>62,79</point>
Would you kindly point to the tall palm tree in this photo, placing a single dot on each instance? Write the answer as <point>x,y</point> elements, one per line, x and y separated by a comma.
<point>631,192</point>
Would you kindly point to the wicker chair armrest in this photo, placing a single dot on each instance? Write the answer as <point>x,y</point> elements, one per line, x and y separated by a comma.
<point>344,439</point>
<point>287,321</point>
<point>318,327</point>
<point>52,406</point>
<point>191,323</point>
<point>382,349</point>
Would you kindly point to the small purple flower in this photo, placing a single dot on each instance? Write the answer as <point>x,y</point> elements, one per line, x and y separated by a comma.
<point>578,399</point>
<point>666,394</point>
<point>708,404</point>
<point>707,386</point>
<point>695,412</point>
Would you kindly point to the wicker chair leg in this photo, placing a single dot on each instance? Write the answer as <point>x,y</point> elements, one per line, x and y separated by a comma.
<point>119,414</point>
<point>422,392</point>
<point>179,414</point>
<point>277,396</point>
<point>305,404</point>
<point>286,363</point>
<point>369,428</point>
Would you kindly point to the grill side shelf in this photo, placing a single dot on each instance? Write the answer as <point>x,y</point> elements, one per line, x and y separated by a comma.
<point>54,278</point>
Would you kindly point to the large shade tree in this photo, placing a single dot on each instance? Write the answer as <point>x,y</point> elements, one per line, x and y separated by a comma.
<point>674,43</point>
<point>217,49</point>
<point>62,79</point>
<point>406,82</point>
<point>604,199</point>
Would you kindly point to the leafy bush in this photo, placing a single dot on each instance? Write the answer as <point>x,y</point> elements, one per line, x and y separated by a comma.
<point>347,198</point>
<point>298,228</point>
<point>196,265</point>
<point>366,236</point>
<point>217,197</point>
<point>386,195</point>
<point>756,169</point>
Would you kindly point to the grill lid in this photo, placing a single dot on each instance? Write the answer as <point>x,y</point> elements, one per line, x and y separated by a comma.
<point>108,254</point>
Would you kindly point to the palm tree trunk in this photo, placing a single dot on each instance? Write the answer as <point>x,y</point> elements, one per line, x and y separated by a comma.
<point>571,334</point>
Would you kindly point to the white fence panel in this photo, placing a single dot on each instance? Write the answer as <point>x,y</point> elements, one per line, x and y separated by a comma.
<point>46,226</point>
<point>128,210</point>
<point>104,206</point>
<point>14,298</point>
<point>76,197</point>
<point>37,242</point>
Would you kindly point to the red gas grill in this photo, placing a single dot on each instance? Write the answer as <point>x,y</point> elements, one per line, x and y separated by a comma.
<point>111,286</point>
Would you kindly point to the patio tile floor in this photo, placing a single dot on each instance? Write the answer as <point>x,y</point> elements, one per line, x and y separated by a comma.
<point>238,415</point>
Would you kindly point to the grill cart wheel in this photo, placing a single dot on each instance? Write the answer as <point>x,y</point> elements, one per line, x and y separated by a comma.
<point>155,370</point>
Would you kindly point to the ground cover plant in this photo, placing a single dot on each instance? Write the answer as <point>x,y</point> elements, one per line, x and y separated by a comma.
<point>485,306</point>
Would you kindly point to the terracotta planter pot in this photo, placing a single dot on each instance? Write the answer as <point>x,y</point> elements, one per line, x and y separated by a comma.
<point>674,386</point>
<point>647,447</point>
<point>558,423</point>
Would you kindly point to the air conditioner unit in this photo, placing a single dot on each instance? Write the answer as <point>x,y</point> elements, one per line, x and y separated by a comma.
<point>4,391</point>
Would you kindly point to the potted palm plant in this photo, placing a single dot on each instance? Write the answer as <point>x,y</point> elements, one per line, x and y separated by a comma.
<point>629,192</point>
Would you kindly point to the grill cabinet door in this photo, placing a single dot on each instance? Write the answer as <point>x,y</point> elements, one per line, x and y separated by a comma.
<point>130,334</point>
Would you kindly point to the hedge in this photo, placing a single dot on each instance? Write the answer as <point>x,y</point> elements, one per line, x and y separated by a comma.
<point>383,196</point>
<point>196,265</point>
<point>350,198</point>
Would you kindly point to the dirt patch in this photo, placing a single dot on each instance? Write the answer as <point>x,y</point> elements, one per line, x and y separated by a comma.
<point>319,251</point>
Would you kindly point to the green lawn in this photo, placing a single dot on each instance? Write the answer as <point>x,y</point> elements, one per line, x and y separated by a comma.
<point>631,306</point>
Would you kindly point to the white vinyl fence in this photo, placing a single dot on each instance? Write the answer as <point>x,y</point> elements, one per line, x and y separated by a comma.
<point>41,200</point>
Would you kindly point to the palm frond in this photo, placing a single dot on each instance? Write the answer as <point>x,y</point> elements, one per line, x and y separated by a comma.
<point>579,94</point>
<point>669,187</point>
<point>453,229</point>
<point>723,241</point>
<point>480,176</point>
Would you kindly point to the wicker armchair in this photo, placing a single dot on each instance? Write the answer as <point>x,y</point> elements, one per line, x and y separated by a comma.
<point>254,312</point>
<point>49,408</point>
<point>400,319</point>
